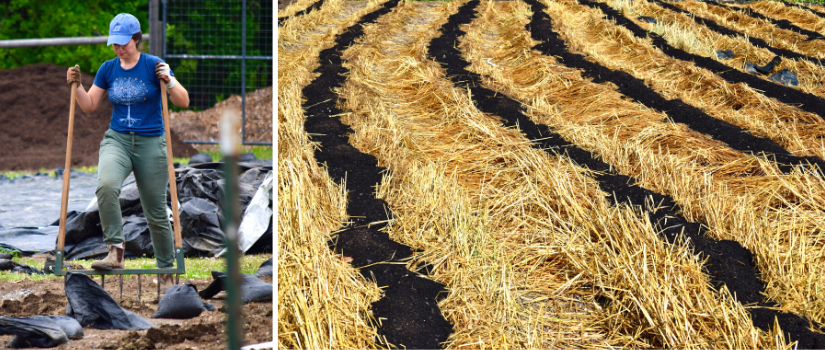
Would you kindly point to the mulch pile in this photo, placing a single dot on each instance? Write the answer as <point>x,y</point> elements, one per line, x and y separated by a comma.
<point>205,125</point>
<point>34,121</point>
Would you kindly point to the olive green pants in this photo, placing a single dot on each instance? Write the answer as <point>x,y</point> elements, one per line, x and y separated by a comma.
<point>121,154</point>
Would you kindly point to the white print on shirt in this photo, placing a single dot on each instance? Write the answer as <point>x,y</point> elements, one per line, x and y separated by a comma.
<point>127,92</point>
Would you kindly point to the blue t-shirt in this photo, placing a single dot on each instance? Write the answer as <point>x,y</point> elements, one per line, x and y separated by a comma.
<point>135,95</point>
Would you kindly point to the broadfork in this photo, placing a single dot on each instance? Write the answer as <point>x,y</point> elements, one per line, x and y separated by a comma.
<point>59,270</point>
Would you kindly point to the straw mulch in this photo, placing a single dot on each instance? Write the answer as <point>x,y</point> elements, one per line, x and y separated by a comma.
<point>523,241</point>
<point>597,117</point>
<point>323,302</point>
<point>474,197</point>
<point>683,32</point>
<point>800,17</point>
<point>613,46</point>
<point>757,28</point>
<point>204,125</point>
<point>743,198</point>
<point>295,7</point>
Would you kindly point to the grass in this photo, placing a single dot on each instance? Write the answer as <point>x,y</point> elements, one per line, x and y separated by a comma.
<point>260,152</point>
<point>196,268</point>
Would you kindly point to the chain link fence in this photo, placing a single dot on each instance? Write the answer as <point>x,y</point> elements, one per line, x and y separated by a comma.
<point>219,48</point>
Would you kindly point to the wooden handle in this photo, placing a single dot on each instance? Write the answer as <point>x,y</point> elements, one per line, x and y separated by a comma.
<point>67,170</point>
<point>173,187</point>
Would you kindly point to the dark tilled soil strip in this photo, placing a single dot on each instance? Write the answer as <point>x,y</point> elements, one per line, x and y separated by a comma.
<point>728,263</point>
<point>712,25</point>
<point>694,117</point>
<point>408,309</point>
<point>314,6</point>
<point>784,23</point>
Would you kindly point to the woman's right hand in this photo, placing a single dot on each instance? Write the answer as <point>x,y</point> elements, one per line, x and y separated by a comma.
<point>73,75</point>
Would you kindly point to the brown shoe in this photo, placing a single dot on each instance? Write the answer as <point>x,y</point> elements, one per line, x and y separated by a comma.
<point>112,261</point>
<point>166,281</point>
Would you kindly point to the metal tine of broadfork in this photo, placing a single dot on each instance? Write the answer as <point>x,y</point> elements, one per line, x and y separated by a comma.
<point>121,286</point>
<point>103,281</point>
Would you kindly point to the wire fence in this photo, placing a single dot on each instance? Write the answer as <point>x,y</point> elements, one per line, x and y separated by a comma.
<point>217,48</point>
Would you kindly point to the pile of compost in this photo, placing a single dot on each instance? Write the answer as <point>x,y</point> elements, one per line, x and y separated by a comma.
<point>35,120</point>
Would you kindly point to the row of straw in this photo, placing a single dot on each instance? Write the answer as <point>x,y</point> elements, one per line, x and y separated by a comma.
<point>684,33</point>
<point>582,109</point>
<point>757,28</point>
<point>740,197</point>
<point>799,132</point>
<point>799,16</point>
<point>295,7</point>
<point>323,303</point>
<point>483,207</point>
<point>524,242</point>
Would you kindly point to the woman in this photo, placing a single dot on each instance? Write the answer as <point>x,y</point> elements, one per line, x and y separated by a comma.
<point>135,141</point>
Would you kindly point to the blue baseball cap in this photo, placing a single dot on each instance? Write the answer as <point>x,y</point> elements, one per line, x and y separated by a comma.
<point>121,29</point>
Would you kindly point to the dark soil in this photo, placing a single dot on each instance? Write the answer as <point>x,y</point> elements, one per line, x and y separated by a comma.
<point>728,263</point>
<point>47,297</point>
<point>281,20</point>
<point>805,101</point>
<point>35,121</point>
<point>712,25</point>
<point>820,14</point>
<point>408,308</point>
<point>783,23</point>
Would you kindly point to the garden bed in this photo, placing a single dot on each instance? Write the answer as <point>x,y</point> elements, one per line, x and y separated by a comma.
<point>570,178</point>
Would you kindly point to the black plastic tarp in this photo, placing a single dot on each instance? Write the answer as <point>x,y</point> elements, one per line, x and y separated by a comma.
<point>200,189</point>
<point>91,305</point>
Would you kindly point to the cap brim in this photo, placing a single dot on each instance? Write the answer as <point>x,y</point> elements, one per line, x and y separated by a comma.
<point>118,39</point>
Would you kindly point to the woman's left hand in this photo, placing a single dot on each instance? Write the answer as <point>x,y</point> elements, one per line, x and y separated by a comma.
<point>162,71</point>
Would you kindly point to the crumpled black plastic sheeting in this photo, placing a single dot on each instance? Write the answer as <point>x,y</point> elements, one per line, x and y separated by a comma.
<point>647,19</point>
<point>766,69</point>
<point>200,188</point>
<point>252,289</point>
<point>28,240</point>
<point>39,331</point>
<point>785,77</point>
<point>30,332</point>
<point>724,54</point>
<point>91,305</point>
<point>265,270</point>
<point>10,265</point>
<point>182,302</point>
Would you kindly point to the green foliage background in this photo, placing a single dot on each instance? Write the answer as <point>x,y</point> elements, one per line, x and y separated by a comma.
<point>212,27</point>
<point>30,19</point>
<point>201,27</point>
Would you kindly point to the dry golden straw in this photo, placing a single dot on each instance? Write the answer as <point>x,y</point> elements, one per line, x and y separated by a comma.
<point>800,17</point>
<point>744,198</point>
<point>757,28</point>
<point>613,46</point>
<point>683,32</point>
<point>323,303</point>
<point>523,241</point>
<point>295,7</point>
